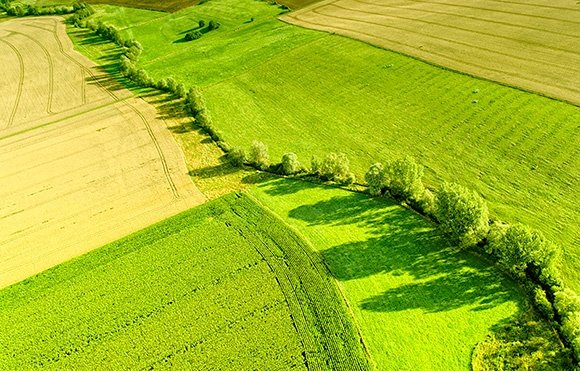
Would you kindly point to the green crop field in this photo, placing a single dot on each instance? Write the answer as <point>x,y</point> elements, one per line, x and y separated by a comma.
<point>162,6</point>
<point>312,93</point>
<point>419,304</point>
<point>223,286</point>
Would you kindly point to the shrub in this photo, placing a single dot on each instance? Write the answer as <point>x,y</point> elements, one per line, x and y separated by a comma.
<point>237,156</point>
<point>161,84</point>
<point>566,302</point>
<point>194,101</point>
<point>290,164</point>
<point>375,178</point>
<point>462,213</point>
<point>171,85</point>
<point>180,91</point>
<point>543,304</point>
<point>213,25</point>
<point>201,23</point>
<point>315,166</point>
<point>404,179</point>
<point>336,167</point>
<point>259,155</point>
<point>192,35</point>
<point>518,248</point>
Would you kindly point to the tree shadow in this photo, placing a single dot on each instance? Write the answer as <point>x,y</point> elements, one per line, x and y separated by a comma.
<point>258,178</point>
<point>398,243</point>
<point>224,168</point>
<point>287,186</point>
<point>476,287</point>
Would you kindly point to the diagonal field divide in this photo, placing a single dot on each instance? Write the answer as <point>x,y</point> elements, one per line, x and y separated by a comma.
<point>531,46</point>
<point>88,167</point>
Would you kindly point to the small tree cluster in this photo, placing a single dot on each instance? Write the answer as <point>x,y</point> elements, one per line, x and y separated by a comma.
<point>521,250</point>
<point>81,12</point>
<point>290,164</point>
<point>213,25</point>
<point>259,155</point>
<point>237,156</point>
<point>567,304</point>
<point>193,35</point>
<point>462,213</point>
<point>22,10</point>
<point>335,167</point>
<point>195,105</point>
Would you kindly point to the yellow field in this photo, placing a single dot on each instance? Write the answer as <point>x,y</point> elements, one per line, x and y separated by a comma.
<point>534,45</point>
<point>80,164</point>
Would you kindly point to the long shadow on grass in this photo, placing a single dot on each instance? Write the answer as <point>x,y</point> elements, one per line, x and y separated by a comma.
<point>402,243</point>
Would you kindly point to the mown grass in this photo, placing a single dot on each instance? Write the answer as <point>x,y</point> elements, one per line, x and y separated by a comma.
<point>197,291</point>
<point>311,93</point>
<point>418,303</point>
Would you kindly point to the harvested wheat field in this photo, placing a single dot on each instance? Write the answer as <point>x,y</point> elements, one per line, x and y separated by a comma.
<point>80,164</point>
<point>530,45</point>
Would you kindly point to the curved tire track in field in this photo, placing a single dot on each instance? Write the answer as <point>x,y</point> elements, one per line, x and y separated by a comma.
<point>85,69</point>
<point>20,82</point>
<point>330,28</point>
<point>50,69</point>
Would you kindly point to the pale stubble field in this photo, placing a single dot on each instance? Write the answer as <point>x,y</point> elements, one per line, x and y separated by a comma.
<point>81,165</point>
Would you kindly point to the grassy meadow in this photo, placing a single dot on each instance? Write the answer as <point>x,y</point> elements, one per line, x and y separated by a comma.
<point>210,288</point>
<point>419,305</point>
<point>312,93</point>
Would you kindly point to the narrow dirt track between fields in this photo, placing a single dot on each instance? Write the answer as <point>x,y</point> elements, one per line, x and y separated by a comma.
<point>81,165</point>
<point>533,46</point>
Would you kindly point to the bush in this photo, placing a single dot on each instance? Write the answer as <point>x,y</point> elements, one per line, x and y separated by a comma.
<point>543,304</point>
<point>375,178</point>
<point>315,166</point>
<point>213,25</point>
<point>192,35</point>
<point>566,302</point>
<point>180,91</point>
<point>259,155</point>
<point>290,164</point>
<point>237,156</point>
<point>520,249</point>
<point>336,167</point>
<point>171,85</point>
<point>462,213</point>
<point>404,179</point>
<point>201,23</point>
<point>194,102</point>
<point>161,85</point>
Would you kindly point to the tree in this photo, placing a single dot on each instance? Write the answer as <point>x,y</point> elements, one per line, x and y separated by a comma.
<point>171,85</point>
<point>315,165</point>
<point>180,91</point>
<point>462,213</point>
<point>213,25</point>
<point>192,35</point>
<point>237,156</point>
<point>259,155</point>
<point>201,23</point>
<point>518,248</point>
<point>375,178</point>
<point>404,179</point>
<point>336,167</point>
<point>290,164</point>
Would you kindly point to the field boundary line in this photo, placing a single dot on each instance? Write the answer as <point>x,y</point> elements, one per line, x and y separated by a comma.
<point>59,120</point>
<point>451,41</point>
<point>332,29</point>
<point>430,11</point>
<point>535,5</point>
<point>493,10</point>
<point>544,46</point>
<point>20,82</point>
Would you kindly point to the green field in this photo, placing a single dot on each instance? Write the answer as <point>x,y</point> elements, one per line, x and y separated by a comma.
<point>222,286</point>
<point>312,93</point>
<point>419,304</point>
